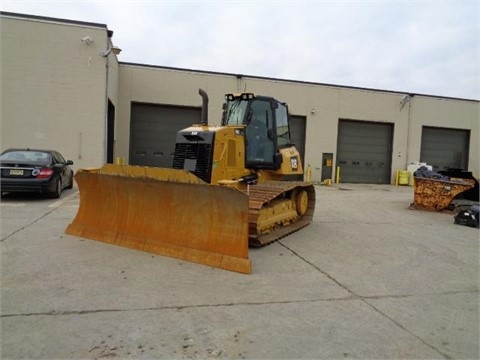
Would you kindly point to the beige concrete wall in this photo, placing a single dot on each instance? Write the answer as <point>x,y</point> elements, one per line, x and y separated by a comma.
<point>322,105</point>
<point>166,87</point>
<point>54,91</point>
<point>446,113</point>
<point>53,88</point>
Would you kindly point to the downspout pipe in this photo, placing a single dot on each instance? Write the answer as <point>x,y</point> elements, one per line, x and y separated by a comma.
<point>204,96</point>
<point>105,139</point>
<point>409,130</point>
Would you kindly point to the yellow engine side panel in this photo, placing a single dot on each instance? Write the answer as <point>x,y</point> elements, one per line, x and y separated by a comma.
<point>229,154</point>
<point>292,163</point>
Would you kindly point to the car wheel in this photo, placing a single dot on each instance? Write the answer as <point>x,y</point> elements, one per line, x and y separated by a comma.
<point>58,191</point>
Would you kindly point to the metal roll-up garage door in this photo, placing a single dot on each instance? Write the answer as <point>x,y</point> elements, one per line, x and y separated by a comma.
<point>297,136</point>
<point>445,148</point>
<point>364,152</point>
<point>153,129</point>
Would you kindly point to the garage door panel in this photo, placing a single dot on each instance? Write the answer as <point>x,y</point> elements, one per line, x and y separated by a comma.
<point>364,151</point>
<point>445,148</point>
<point>297,136</point>
<point>365,142</point>
<point>361,174</point>
<point>367,149</point>
<point>153,132</point>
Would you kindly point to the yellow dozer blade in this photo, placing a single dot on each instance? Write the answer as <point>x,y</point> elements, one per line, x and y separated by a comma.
<point>164,211</point>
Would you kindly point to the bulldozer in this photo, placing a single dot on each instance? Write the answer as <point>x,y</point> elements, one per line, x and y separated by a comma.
<point>230,187</point>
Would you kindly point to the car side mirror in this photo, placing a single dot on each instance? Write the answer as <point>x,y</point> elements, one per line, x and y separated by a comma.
<point>69,162</point>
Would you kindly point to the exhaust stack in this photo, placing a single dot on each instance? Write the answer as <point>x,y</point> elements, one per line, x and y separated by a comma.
<point>204,96</point>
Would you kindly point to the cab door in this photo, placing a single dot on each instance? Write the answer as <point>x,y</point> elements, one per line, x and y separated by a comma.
<point>259,135</point>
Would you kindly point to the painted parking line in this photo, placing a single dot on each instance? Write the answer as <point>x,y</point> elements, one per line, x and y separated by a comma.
<point>63,201</point>
<point>3,204</point>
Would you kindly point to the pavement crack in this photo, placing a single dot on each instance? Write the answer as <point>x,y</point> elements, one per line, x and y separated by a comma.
<point>351,292</point>
<point>28,225</point>
<point>379,297</point>
<point>161,308</point>
<point>364,300</point>
<point>423,341</point>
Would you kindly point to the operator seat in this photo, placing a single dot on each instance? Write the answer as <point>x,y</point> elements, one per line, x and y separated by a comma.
<point>256,133</point>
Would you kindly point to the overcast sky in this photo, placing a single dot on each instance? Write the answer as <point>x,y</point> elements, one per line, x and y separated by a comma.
<point>426,47</point>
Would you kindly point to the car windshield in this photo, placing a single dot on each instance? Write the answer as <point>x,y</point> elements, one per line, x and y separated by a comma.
<point>26,156</point>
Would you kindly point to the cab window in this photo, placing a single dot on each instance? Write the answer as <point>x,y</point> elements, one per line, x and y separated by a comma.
<point>260,142</point>
<point>283,133</point>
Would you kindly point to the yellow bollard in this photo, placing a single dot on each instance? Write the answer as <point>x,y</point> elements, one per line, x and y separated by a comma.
<point>119,161</point>
<point>337,177</point>
<point>309,174</point>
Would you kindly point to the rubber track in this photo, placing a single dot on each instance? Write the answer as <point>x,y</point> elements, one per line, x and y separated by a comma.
<point>261,194</point>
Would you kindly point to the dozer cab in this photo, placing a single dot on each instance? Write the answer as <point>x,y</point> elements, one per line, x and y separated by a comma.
<point>228,189</point>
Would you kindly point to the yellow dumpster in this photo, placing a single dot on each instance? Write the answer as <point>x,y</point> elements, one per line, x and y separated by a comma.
<point>437,194</point>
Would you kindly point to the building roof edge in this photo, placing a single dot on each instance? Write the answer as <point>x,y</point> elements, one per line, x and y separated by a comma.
<point>51,19</point>
<point>291,81</point>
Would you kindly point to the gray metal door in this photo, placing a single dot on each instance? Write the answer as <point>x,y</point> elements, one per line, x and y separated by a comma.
<point>297,135</point>
<point>327,166</point>
<point>445,148</point>
<point>153,130</point>
<point>364,152</point>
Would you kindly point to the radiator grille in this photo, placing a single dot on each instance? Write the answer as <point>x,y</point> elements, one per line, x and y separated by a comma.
<point>201,154</point>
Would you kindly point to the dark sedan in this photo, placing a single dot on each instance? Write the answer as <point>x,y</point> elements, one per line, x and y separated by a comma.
<point>40,171</point>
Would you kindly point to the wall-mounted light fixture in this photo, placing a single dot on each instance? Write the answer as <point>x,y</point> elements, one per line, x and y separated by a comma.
<point>114,49</point>
<point>313,111</point>
<point>405,99</point>
<point>87,40</point>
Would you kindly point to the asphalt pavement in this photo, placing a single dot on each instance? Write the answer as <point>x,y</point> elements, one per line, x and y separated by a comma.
<point>370,278</point>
